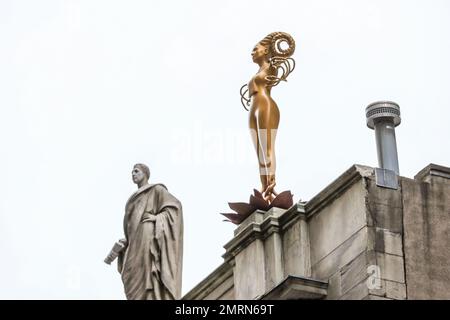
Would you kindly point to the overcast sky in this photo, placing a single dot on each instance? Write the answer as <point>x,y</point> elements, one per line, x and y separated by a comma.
<point>88,88</point>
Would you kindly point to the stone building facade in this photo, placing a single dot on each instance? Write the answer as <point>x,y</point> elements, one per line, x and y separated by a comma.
<point>353,240</point>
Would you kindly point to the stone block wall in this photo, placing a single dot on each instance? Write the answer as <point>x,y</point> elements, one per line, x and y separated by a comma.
<point>426,218</point>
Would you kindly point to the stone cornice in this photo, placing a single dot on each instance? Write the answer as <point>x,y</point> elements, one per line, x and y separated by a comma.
<point>336,188</point>
<point>295,288</point>
<point>260,225</point>
<point>433,170</point>
<point>210,283</point>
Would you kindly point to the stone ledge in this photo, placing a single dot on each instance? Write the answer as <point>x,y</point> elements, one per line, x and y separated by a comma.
<point>337,187</point>
<point>210,283</point>
<point>433,170</point>
<point>297,288</point>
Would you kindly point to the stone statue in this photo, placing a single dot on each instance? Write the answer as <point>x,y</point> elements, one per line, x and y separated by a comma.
<point>275,65</point>
<point>150,256</point>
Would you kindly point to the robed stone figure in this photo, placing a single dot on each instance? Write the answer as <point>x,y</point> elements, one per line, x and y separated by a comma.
<point>150,256</point>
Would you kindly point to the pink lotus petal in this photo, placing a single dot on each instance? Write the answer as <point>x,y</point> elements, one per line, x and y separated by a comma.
<point>258,194</point>
<point>259,203</point>
<point>283,200</point>
<point>242,208</point>
<point>234,218</point>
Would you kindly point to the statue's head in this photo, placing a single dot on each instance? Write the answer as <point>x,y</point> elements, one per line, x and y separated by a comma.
<point>140,174</point>
<point>271,46</point>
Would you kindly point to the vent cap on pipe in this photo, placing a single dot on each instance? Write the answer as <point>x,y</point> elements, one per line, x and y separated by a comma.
<point>382,109</point>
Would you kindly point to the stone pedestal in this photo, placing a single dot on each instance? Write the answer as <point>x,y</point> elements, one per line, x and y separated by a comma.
<point>266,248</point>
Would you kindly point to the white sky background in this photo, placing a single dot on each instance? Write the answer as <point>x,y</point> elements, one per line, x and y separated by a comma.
<point>88,88</point>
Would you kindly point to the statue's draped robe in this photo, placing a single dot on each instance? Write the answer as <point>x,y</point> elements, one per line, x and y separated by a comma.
<point>151,264</point>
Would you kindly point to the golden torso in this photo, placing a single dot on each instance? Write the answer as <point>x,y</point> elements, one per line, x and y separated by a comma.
<point>264,113</point>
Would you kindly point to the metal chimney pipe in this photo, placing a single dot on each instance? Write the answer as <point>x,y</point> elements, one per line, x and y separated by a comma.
<point>383,117</point>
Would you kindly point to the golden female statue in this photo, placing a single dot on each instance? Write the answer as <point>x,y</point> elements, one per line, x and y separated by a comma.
<point>275,65</point>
